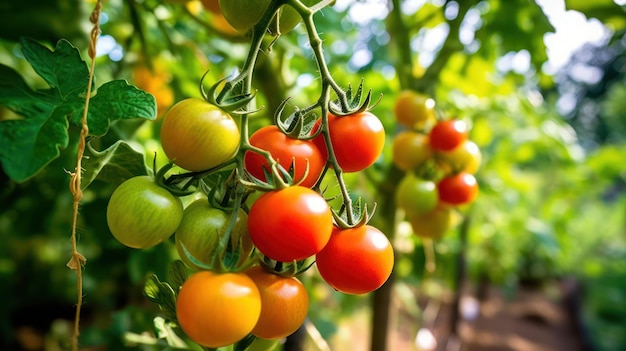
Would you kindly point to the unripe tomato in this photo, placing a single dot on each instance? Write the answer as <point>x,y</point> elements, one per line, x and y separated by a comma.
<point>357,140</point>
<point>244,14</point>
<point>217,310</point>
<point>448,135</point>
<point>141,214</point>
<point>433,224</point>
<point>458,189</point>
<point>201,229</point>
<point>290,224</point>
<point>198,136</point>
<point>465,158</point>
<point>414,110</point>
<point>285,150</point>
<point>410,150</point>
<point>356,260</point>
<point>284,304</point>
<point>415,195</point>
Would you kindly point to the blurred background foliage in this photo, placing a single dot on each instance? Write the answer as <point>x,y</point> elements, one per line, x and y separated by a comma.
<point>552,201</point>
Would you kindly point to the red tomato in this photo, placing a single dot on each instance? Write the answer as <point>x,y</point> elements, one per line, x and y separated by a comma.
<point>357,140</point>
<point>448,135</point>
<point>285,150</point>
<point>458,189</point>
<point>284,304</point>
<point>290,224</point>
<point>217,310</point>
<point>356,260</point>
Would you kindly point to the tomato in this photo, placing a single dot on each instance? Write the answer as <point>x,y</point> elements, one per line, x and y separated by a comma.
<point>410,150</point>
<point>458,189</point>
<point>290,224</point>
<point>141,214</point>
<point>202,227</point>
<point>217,310</point>
<point>357,140</point>
<point>448,135</point>
<point>414,110</point>
<point>415,195</point>
<point>285,150</point>
<point>197,136</point>
<point>284,304</point>
<point>212,6</point>
<point>433,224</point>
<point>465,158</point>
<point>356,260</point>
<point>244,14</point>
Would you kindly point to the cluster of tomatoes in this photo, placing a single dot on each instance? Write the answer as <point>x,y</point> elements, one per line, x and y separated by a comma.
<point>234,244</point>
<point>440,162</point>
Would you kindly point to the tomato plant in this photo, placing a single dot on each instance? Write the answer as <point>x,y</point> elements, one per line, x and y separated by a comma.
<point>356,260</point>
<point>357,140</point>
<point>465,158</point>
<point>414,110</point>
<point>217,310</point>
<point>202,227</point>
<point>141,214</point>
<point>415,195</point>
<point>197,135</point>
<point>287,151</point>
<point>448,135</point>
<point>410,150</point>
<point>284,304</point>
<point>458,189</point>
<point>290,224</point>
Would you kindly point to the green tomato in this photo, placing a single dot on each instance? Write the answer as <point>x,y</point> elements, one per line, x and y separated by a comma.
<point>415,195</point>
<point>200,230</point>
<point>141,214</point>
<point>244,14</point>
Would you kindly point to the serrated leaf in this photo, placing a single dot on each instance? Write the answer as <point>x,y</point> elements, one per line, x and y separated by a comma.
<point>118,100</point>
<point>29,144</point>
<point>62,68</point>
<point>162,294</point>
<point>114,165</point>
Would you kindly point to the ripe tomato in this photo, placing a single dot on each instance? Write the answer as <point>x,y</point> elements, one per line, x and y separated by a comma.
<point>356,260</point>
<point>465,158</point>
<point>217,310</point>
<point>458,189</point>
<point>357,140</point>
<point>284,304</point>
<point>290,224</point>
<point>244,14</point>
<point>410,150</point>
<point>197,135</point>
<point>433,224</point>
<point>141,214</point>
<point>201,229</point>
<point>285,151</point>
<point>448,135</point>
<point>415,195</point>
<point>414,110</point>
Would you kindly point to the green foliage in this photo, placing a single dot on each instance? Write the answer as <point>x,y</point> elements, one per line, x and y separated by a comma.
<point>30,143</point>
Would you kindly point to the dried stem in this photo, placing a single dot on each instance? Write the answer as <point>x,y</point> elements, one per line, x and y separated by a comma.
<point>78,260</point>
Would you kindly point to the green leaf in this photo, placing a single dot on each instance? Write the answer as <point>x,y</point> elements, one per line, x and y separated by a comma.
<point>63,68</point>
<point>162,294</point>
<point>29,144</point>
<point>178,273</point>
<point>114,165</point>
<point>118,100</point>
<point>164,330</point>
